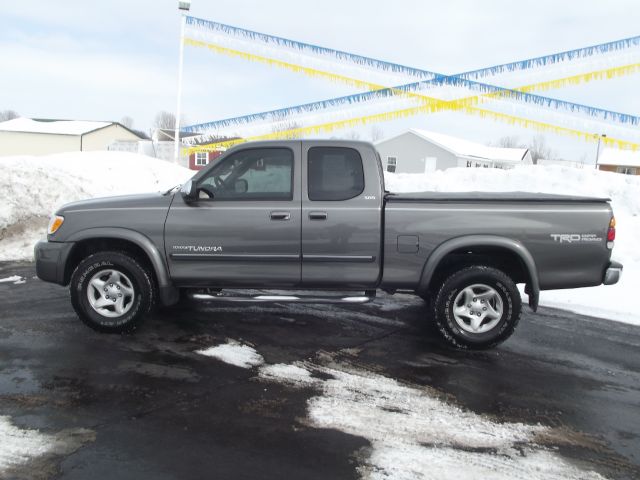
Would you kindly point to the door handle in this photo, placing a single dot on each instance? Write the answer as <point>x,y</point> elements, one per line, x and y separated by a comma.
<point>317,215</point>
<point>280,215</point>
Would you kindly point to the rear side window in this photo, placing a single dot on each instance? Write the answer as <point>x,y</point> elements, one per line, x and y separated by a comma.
<point>334,173</point>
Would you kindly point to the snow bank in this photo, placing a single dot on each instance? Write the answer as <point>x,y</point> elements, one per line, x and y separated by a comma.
<point>234,353</point>
<point>616,302</point>
<point>32,188</point>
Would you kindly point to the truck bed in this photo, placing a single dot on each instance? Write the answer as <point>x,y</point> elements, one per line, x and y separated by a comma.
<point>489,197</point>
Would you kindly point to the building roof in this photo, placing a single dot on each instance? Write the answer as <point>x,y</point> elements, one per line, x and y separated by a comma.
<point>466,148</point>
<point>168,134</point>
<point>616,156</point>
<point>60,127</point>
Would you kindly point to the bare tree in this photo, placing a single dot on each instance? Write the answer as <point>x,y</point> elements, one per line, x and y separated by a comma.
<point>509,142</point>
<point>165,120</point>
<point>288,128</point>
<point>8,115</point>
<point>376,133</point>
<point>540,149</point>
<point>127,121</point>
<point>537,146</point>
<point>352,135</point>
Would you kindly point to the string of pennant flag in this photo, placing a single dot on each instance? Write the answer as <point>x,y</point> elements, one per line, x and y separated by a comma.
<point>282,113</point>
<point>431,106</point>
<point>311,60</point>
<point>378,91</point>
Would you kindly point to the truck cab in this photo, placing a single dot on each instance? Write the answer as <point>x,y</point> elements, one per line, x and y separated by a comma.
<point>287,215</point>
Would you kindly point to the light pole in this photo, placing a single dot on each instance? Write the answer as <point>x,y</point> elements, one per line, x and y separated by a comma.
<point>183,6</point>
<point>600,137</point>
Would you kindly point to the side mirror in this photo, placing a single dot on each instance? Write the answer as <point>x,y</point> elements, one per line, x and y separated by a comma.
<point>241,186</point>
<point>189,191</point>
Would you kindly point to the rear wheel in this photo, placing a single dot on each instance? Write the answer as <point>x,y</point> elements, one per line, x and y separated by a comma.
<point>477,307</point>
<point>112,291</point>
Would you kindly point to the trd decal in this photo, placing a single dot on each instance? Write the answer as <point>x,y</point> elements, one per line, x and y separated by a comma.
<point>576,237</point>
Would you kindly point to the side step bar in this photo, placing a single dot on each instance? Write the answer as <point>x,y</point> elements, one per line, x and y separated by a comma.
<point>368,296</point>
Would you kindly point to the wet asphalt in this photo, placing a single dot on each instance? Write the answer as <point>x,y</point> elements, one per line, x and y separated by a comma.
<point>145,406</point>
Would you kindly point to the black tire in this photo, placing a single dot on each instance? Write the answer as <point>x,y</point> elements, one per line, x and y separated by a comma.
<point>138,278</point>
<point>444,304</point>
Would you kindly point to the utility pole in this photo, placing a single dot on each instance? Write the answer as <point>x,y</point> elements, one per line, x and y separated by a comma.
<point>600,137</point>
<point>183,6</point>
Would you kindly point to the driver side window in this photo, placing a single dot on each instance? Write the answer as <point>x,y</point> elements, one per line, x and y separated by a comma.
<point>253,174</point>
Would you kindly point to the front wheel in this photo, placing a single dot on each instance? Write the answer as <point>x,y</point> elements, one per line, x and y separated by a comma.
<point>112,291</point>
<point>477,307</point>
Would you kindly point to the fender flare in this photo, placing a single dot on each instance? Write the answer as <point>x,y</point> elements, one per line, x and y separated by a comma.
<point>469,241</point>
<point>168,293</point>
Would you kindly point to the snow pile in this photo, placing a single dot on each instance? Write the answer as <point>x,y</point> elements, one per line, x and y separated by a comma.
<point>234,353</point>
<point>413,433</point>
<point>616,302</point>
<point>32,188</point>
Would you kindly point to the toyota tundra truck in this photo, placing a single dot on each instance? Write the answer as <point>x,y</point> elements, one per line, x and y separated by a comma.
<point>311,221</point>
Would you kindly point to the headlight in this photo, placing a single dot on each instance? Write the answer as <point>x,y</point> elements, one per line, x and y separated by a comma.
<point>54,224</point>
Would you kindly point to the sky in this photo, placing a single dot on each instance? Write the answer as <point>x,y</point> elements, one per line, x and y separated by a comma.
<point>102,60</point>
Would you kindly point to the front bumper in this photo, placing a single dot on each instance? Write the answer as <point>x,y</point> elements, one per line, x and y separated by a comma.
<point>613,273</point>
<point>51,260</point>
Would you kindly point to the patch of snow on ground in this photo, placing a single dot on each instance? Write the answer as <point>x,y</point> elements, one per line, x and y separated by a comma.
<point>294,375</point>
<point>13,278</point>
<point>33,187</point>
<point>18,446</point>
<point>616,302</point>
<point>415,435</point>
<point>234,353</point>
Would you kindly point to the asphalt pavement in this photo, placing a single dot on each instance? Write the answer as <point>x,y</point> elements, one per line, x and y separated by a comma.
<point>146,406</point>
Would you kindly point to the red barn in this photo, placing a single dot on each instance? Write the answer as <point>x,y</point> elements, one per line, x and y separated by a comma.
<point>199,160</point>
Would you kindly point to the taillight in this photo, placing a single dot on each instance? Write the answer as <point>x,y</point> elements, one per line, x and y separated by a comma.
<point>611,233</point>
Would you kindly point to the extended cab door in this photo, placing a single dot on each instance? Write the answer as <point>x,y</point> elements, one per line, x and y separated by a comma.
<point>244,228</point>
<point>341,215</point>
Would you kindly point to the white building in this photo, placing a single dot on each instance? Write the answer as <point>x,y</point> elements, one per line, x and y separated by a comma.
<point>31,136</point>
<point>619,161</point>
<point>420,151</point>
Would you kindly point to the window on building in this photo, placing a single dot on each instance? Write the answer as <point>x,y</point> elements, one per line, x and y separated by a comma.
<point>202,158</point>
<point>253,174</point>
<point>469,163</point>
<point>627,170</point>
<point>392,163</point>
<point>334,173</point>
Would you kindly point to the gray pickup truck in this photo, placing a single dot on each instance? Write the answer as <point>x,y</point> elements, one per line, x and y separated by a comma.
<point>311,221</point>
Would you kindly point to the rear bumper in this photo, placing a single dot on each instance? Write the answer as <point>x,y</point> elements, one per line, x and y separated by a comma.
<point>51,259</point>
<point>612,274</point>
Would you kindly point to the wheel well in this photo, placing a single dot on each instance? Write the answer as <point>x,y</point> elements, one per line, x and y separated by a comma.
<point>84,248</point>
<point>500,258</point>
